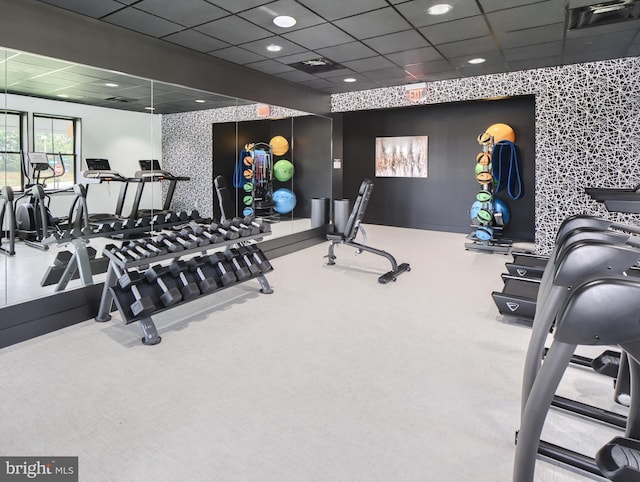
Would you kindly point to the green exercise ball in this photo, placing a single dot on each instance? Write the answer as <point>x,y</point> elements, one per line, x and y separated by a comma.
<point>283,170</point>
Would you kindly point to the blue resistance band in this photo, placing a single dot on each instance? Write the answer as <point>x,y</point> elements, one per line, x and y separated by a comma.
<point>513,183</point>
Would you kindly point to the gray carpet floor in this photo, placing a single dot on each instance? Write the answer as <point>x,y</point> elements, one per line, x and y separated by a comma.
<point>333,377</point>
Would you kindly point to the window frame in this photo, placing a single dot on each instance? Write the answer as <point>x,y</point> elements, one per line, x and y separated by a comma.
<point>76,123</point>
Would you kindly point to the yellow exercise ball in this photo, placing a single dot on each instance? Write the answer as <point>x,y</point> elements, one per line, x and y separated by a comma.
<point>501,132</point>
<point>279,145</point>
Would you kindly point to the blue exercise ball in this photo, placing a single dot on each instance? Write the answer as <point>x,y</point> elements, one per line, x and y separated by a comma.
<point>500,207</point>
<point>285,200</point>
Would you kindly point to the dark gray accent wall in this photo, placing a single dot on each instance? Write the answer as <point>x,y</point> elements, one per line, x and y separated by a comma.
<point>442,200</point>
<point>42,29</point>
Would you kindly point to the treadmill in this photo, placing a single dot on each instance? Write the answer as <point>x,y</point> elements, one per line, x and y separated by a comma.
<point>99,171</point>
<point>150,171</point>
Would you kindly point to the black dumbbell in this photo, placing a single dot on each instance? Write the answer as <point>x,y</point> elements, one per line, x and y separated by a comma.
<point>194,215</point>
<point>241,271</point>
<point>239,222</point>
<point>264,227</point>
<point>227,275</point>
<point>117,252</point>
<point>128,224</point>
<point>166,241</point>
<point>170,296</point>
<point>186,243</point>
<point>142,222</point>
<point>143,249</point>
<point>260,258</point>
<point>147,245</point>
<point>188,288</point>
<point>243,232</point>
<point>115,225</point>
<point>189,233</point>
<point>205,283</point>
<point>143,305</point>
<point>227,233</point>
<point>183,216</point>
<point>249,261</point>
<point>104,228</point>
<point>213,237</point>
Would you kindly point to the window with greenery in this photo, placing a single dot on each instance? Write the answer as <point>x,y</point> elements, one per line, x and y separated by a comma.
<point>10,142</point>
<point>56,136</point>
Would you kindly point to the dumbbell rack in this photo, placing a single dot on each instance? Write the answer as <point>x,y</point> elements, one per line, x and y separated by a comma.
<point>112,293</point>
<point>80,260</point>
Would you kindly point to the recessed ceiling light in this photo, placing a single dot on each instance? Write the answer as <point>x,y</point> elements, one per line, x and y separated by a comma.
<point>200,101</point>
<point>477,60</point>
<point>274,48</point>
<point>349,79</point>
<point>111,84</point>
<point>439,9</point>
<point>284,21</point>
<point>64,96</point>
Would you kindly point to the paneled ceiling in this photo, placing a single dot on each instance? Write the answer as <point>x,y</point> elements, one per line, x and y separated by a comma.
<point>380,43</point>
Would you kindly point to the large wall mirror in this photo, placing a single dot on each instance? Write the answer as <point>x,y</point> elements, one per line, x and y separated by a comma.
<point>71,113</point>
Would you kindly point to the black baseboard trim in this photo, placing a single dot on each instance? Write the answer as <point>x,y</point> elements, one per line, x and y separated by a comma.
<point>23,321</point>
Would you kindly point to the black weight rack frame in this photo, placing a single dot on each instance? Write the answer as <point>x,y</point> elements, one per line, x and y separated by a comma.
<point>112,293</point>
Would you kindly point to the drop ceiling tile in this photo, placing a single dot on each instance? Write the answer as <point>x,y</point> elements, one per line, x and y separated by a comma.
<point>236,6</point>
<point>493,5</point>
<point>386,74</point>
<point>317,83</point>
<point>396,42</point>
<point>233,30</point>
<point>142,22</point>
<point>451,74</point>
<point>618,42</point>
<point>462,29</point>
<point>537,51</point>
<point>344,72</point>
<point>301,57</point>
<point>189,14</point>
<point>372,63</point>
<point>414,56</point>
<point>269,66</point>
<point>534,63</point>
<point>373,24</point>
<point>333,10</point>
<point>492,59</point>
<point>528,16</point>
<point>531,36</point>
<point>319,36</point>
<point>610,29</point>
<point>264,15</point>
<point>260,47</point>
<point>295,76</point>
<point>582,56</point>
<point>91,8</point>
<point>425,68</point>
<point>237,55</point>
<point>467,47</point>
<point>416,11</point>
<point>195,40</point>
<point>345,52</point>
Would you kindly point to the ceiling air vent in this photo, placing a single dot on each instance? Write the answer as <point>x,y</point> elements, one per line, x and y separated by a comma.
<point>317,66</point>
<point>603,13</point>
<point>119,98</point>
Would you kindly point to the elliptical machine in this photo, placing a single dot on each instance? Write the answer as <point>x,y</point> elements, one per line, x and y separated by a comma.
<point>34,221</point>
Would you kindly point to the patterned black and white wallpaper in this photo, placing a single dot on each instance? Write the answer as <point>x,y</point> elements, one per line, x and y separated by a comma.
<point>587,130</point>
<point>587,134</point>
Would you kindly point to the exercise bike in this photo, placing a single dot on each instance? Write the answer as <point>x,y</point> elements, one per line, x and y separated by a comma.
<point>33,218</point>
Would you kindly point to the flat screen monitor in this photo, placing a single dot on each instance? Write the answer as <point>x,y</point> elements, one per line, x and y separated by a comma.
<point>149,165</point>
<point>38,160</point>
<point>98,164</point>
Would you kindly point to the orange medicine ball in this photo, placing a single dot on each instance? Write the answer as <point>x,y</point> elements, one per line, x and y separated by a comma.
<point>279,145</point>
<point>501,132</point>
<point>483,158</point>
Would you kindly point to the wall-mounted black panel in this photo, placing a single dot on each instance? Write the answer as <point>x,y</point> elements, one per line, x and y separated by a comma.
<point>442,200</point>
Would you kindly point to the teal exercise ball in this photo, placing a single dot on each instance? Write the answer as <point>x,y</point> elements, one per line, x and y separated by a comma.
<point>284,200</point>
<point>283,170</point>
